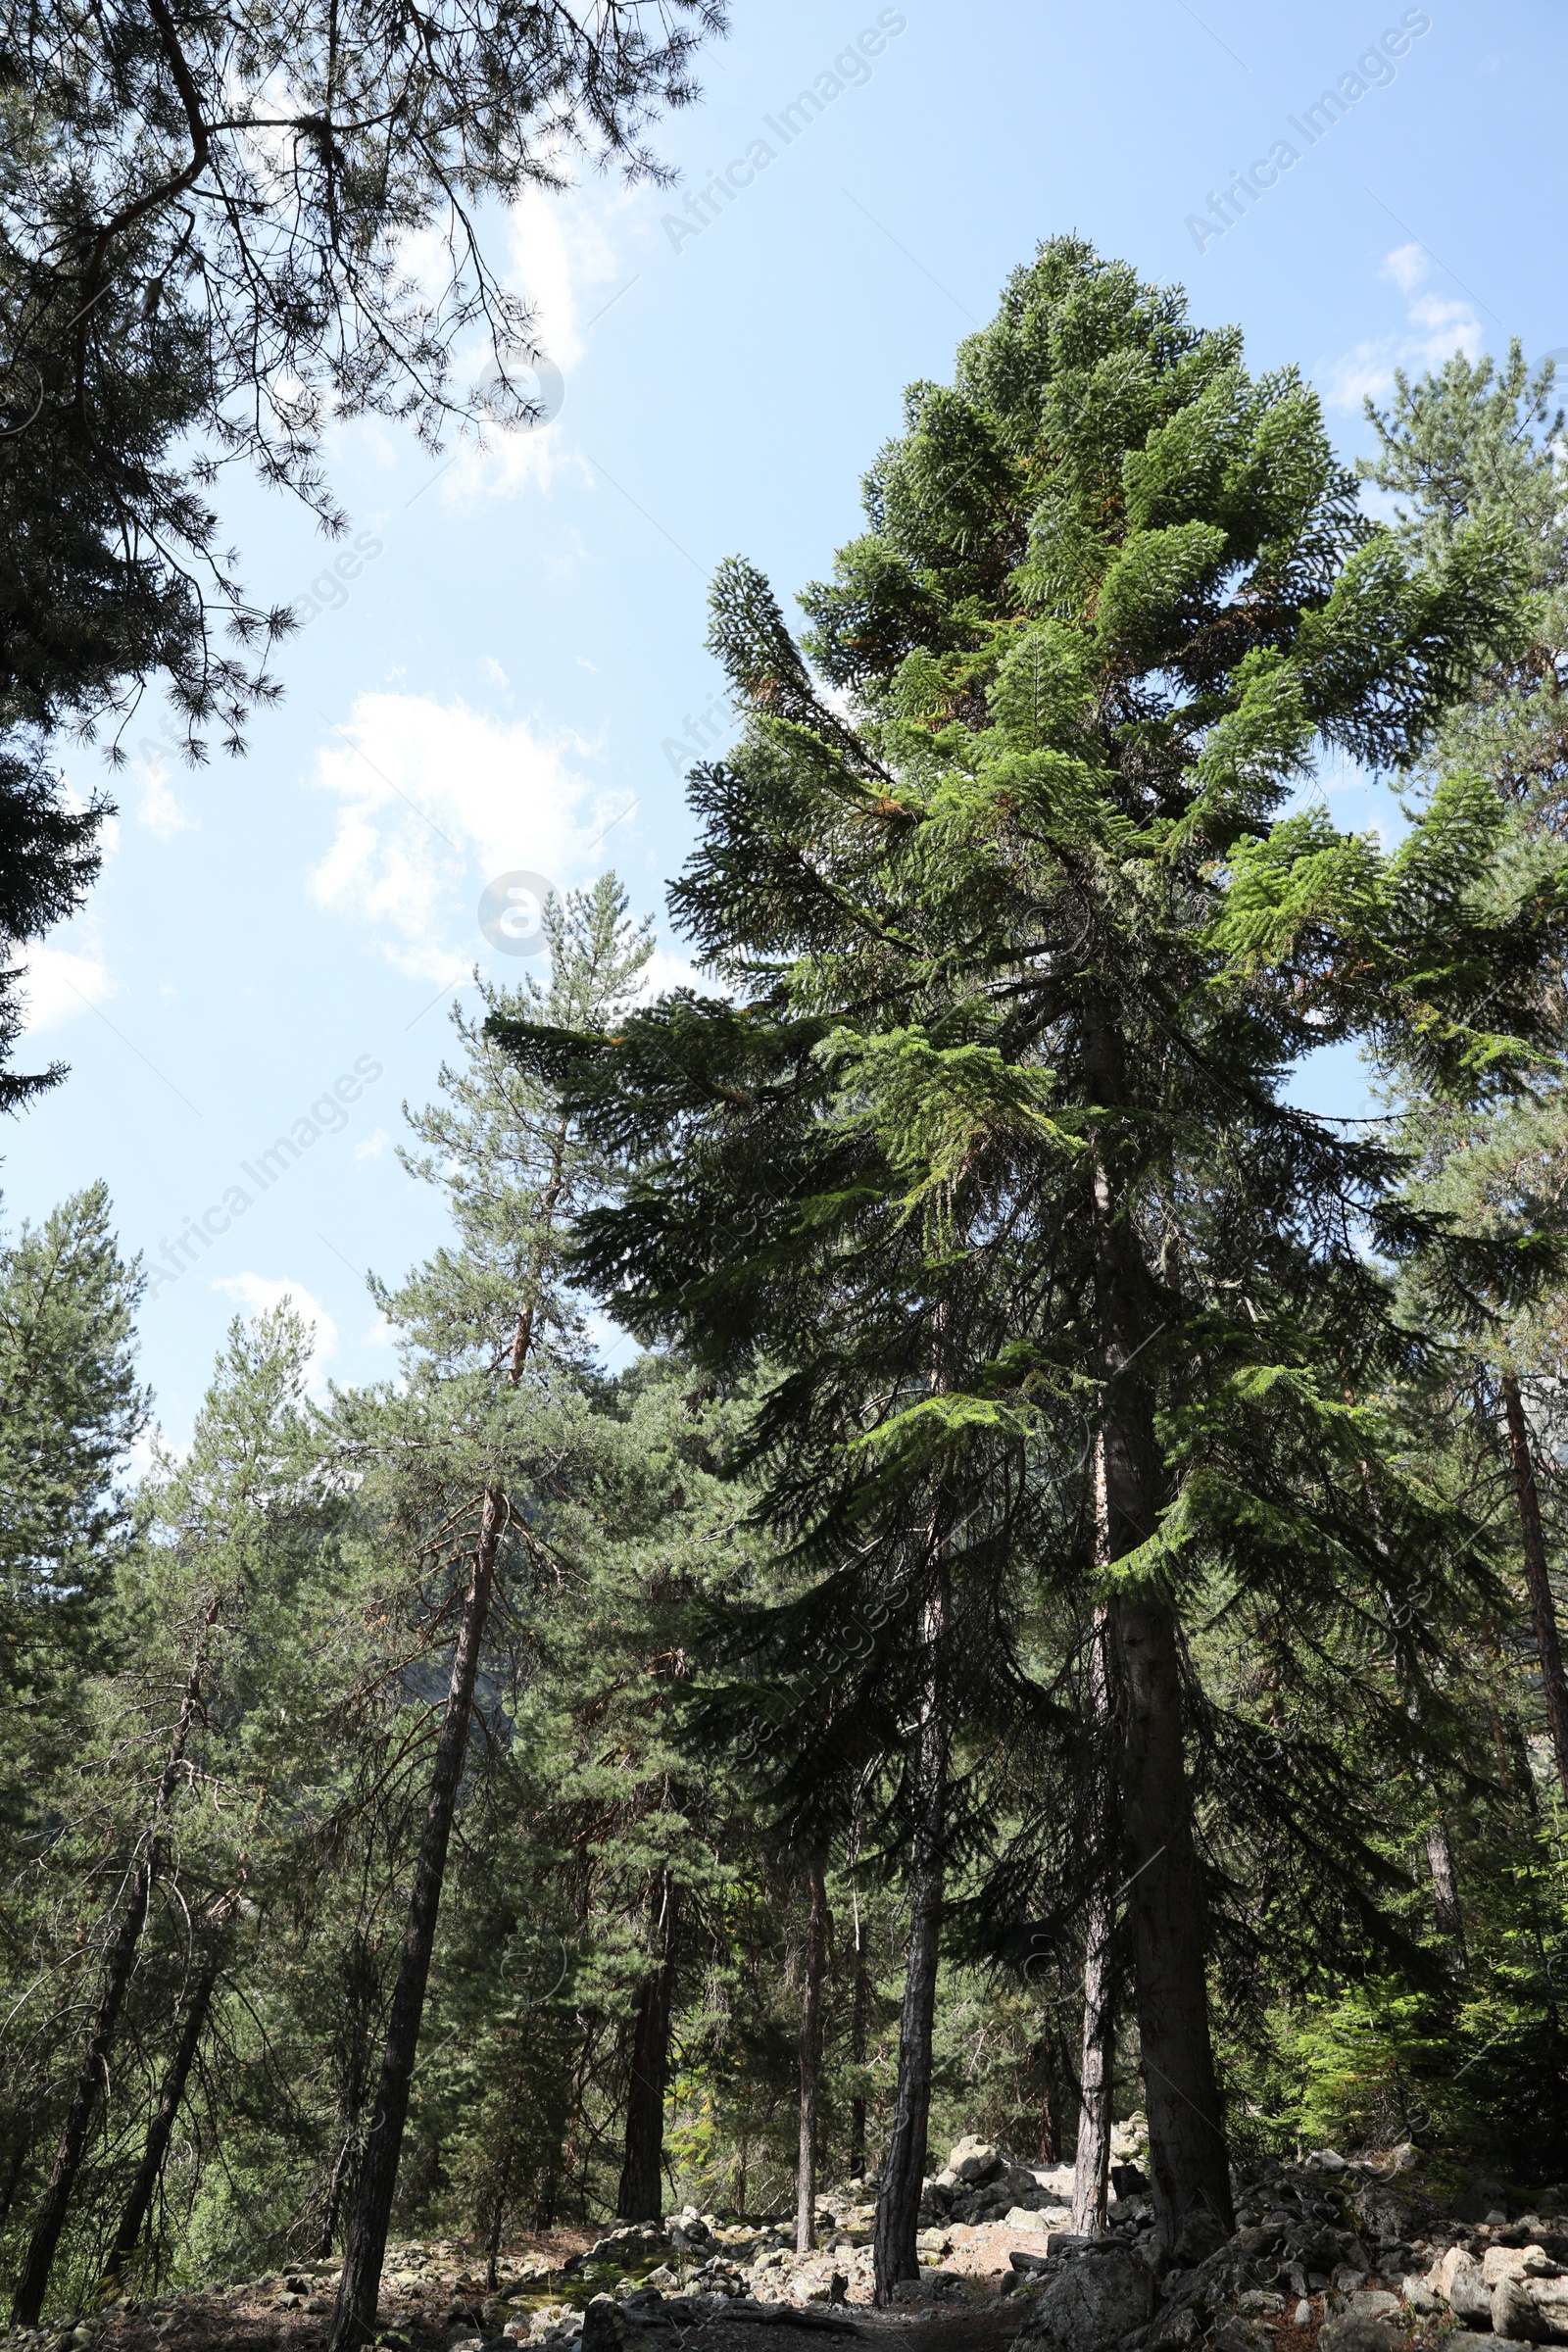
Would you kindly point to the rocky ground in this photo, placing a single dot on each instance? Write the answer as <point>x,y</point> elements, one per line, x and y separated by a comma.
<point>1328,2256</point>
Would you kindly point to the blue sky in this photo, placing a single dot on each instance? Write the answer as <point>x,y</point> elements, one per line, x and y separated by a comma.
<point>496,680</point>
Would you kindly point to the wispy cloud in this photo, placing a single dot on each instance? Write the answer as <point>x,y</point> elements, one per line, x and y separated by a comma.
<point>61,985</point>
<point>1436,325</point>
<point>432,795</point>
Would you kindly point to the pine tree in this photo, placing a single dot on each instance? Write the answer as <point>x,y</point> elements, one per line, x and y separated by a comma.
<point>1022,954</point>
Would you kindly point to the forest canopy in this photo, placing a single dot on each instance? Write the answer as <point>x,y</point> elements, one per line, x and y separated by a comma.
<point>1054,1637</point>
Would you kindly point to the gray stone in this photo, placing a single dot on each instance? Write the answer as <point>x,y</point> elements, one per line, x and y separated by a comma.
<point>1096,2299</point>
<point>1353,2332</point>
<point>1516,2313</point>
<point>1469,2295</point>
<point>1482,2198</point>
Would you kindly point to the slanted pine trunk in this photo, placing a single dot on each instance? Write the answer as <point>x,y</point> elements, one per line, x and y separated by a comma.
<point>353,2321</point>
<point>92,2072</point>
<point>1543,1607</point>
<point>1091,2188</point>
<point>641,2196</point>
<point>1188,2154</point>
<point>810,2061</point>
<point>859,2020</point>
<point>138,2204</point>
<point>898,2204</point>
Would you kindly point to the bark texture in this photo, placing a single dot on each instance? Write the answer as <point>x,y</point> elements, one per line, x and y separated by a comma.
<point>1188,2153</point>
<point>1091,2187</point>
<point>33,2281</point>
<point>641,2197</point>
<point>810,2062</point>
<point>898,2204</point>
<point>1543,1606</point>
<point>353,2321</point>
<point>859,2020</point>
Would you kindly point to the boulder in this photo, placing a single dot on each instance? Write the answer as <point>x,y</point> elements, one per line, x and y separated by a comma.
<point>1387,2217</point>
<point>975,2160</point>
<point>1481,2200</point>
<point>1354,2332</point>
<point>1469,2295</point>
<point>1517,2315</point>
<point>1093,2301</point>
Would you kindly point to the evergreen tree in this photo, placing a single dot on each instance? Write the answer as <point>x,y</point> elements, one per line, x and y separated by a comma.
<point>1022,954</point>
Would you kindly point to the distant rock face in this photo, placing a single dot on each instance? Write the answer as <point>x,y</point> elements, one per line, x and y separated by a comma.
<point>1099,2298</point>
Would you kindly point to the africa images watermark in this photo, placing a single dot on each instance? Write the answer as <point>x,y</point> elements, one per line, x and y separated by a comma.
<point>327,1115</point>
<point>849,70</point>
<point>1373,69</point>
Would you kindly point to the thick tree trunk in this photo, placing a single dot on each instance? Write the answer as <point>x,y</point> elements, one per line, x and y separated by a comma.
<point>811,2063</point>
<point>1543,1607</point>
<point>898,2204</point>
<point>1188,2153</point>
<point>138,2204</point>
<point>859,2020</point>
<point>32,2285</point>
<point>1091,2188</point>
<point>353,2321</point>
<point>641,2196</point>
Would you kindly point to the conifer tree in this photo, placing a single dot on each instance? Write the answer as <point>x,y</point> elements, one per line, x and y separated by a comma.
<point>1021,953</point>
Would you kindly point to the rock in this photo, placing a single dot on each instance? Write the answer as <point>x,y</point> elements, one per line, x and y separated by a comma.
<point>1304,2313</point>
<point>1096,2299</point>
<point>1231,2334</point>
<point>1419,2297</point>
<point>1177,2331</point>
<point>1261,2303</point>
<point>1387,2216</point>
<point>1029,2217</point>
<point>1026,2265</point>
<point>974,2160</point>
<point>1352,2333</point>
<point>1326,2160</point>
<point>1517,2315</point>
<point>1481,2200</point>
<point>1201,2235</point>
<point>1374,2303</point>
<point>1469,2296</point>
<point>911,2290</point>
<point>1128,2182</point>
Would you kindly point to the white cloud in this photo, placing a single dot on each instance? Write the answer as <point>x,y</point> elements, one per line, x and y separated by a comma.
<point>59,986</point>
<point>158,809</point>
<point>433,795</point>
<point>1406,265</point>
<point>1436,327</point>
<point>372,1145</point>
<point>563,260</point>
<point>260,1294</point>
<point>380,1335</point>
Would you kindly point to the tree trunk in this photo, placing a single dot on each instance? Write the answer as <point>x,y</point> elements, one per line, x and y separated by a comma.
<point>32,2285</point>
<point>859,2020</point>
<point>1091,2188</point>
<point>1188,2154</point>
<point>642,2174</point>
<point>138,2204</point>
<point>523,1334</point>
<point>334,2196</point>
<point>1445,1886</point>
<point>898,2204</point>
<point>353,2321</point>
<point>810,2057</point>
<point>1543,1607</point>
<point>8,2195</point>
